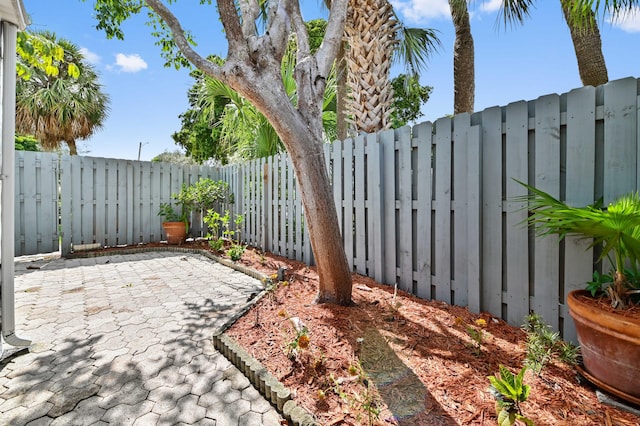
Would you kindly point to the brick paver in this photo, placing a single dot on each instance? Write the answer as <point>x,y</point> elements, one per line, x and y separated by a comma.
<point>126,339</point>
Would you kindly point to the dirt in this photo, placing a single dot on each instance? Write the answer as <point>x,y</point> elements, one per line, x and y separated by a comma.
<point>394,359</point>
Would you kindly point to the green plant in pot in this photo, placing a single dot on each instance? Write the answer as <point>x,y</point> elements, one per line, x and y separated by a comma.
<point>195,198</point>
<point>607,315</point>
<point>175,222</point>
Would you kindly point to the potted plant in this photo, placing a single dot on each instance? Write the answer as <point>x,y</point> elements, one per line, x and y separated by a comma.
<point>607,313</point>
<point>197,198</point>
<point>175,224</point>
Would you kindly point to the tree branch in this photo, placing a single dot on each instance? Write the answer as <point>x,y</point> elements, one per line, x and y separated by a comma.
<point>231,23</point>
<point>333,36</point>
<point>182,42</point>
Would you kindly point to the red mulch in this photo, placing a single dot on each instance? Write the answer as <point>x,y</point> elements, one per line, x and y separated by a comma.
<point>399,360</point>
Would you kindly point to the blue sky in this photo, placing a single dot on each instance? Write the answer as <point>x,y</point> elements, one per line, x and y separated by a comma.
<point>512,64</point>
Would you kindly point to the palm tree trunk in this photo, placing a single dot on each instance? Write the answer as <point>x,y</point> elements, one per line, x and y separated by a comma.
<point>73,150</point>
<point>588,47</point>
<point>464,85</point>
<point>371,35</point>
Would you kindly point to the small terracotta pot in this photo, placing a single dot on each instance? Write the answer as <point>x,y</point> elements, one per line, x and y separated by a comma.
<point>610,345</point>
<point>176,232</point>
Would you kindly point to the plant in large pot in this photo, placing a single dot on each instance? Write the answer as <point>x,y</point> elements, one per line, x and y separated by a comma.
<point>175,222</point>
<point>607,314</point>
<point>192,202</point>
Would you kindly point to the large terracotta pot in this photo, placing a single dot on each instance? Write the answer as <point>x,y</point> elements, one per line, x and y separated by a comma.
<point>176,232</point>
<point>610,346</point>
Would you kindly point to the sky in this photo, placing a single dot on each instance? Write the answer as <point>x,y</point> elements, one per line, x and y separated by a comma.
<point>513,63</point>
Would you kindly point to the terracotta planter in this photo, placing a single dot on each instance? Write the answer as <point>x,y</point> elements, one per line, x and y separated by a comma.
<point>610,346</point>
<point>176,232</point>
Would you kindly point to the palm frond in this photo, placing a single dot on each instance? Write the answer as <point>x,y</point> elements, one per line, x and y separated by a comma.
<point>415,47</point>
<point>514,11</point>
<point>616,228</point>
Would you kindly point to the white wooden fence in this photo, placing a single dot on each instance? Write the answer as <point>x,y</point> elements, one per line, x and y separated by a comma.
<point>97,200</point>
<point>430,207</point>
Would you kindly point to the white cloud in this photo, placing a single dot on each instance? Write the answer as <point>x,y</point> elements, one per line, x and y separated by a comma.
<point>130,63</point>
<point>421,10</point>
<point>490,6</point>
<point>628,22</point>
<point>89,56</point>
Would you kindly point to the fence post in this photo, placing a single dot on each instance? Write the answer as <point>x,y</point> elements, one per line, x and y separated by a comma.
<point>65,204</point>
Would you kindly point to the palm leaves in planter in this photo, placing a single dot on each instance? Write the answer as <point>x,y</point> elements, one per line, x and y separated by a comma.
<point>616,229</point>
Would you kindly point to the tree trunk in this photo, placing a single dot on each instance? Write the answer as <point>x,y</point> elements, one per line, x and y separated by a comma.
<point>300,129</point>
<point>307,156</point>
<point>342,124</point>
<point>464,85</point>
<point>371,35</point>
<point>73,150</point>
<point>588,47</point>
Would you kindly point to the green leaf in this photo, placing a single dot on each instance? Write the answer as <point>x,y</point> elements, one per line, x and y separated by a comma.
<point>506,418</point>
<point>51,70</point>
<point>524,419</point>
<point>73,70</point>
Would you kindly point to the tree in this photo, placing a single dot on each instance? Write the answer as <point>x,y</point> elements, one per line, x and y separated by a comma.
<point>253,69</point>
<point>464,80</point>
<point>60,107</point>
<point>37,51</point>
<point>175,157</point>
<point>587,45</point>
<point>408,96</point>
<point>199,134</point>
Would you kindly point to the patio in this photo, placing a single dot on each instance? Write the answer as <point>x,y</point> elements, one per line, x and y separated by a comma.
<point>126,339</point>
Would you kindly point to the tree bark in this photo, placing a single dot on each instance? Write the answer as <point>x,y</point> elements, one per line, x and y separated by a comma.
<point>342,123</point>
<point>588,47</point>
<point>371,35</point>
<point>464,85</point>
<point>307,155</point>
<point>73,150</point>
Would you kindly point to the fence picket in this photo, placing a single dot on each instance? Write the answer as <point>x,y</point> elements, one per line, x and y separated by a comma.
<point>359,207</point>
<point>375,208</point>
<point>347,200</point>
<point>423,134</point>
<point>517,243</point>
<point>620,131</point>
<point>404,237</point>
<point>492,210</point>
<point>460,210</point>
<point>580,187</point>
<point>442,217</point>
<point>547,178</point>
<point>474,222</point>
<point>387,140</point>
